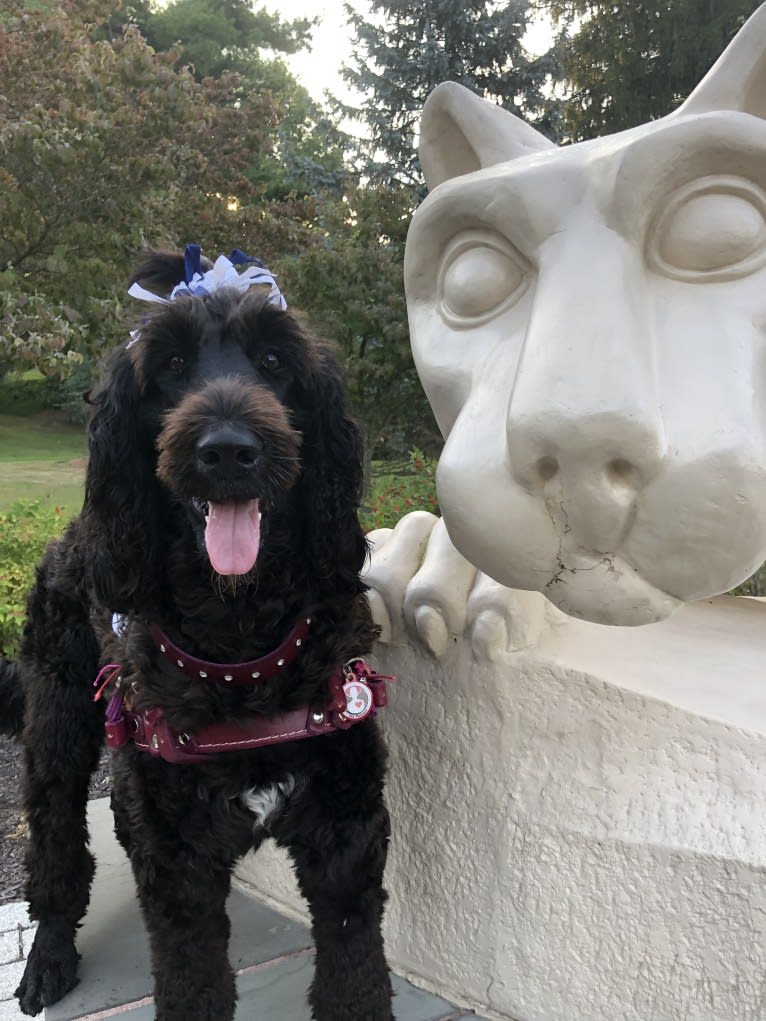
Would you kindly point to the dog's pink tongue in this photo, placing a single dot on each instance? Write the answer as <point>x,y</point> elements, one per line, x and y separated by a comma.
<point>233,536</point>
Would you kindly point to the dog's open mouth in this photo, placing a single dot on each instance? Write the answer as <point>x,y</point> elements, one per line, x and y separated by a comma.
<point>232,534</point>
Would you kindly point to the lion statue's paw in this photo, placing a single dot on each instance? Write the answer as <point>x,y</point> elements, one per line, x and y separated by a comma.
<point>423,590</point>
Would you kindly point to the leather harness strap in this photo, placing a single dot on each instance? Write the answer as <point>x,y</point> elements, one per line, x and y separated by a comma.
<point>354,691</point>
<point>234,674</point>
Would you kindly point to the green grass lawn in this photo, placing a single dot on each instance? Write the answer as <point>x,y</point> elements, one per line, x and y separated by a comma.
<point>42,459</point>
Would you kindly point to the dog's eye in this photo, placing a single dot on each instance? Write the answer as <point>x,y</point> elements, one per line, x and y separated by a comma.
<point>270,361</point>
<point>176,364</point>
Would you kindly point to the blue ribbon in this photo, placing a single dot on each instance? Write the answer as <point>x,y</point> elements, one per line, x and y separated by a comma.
<point>238,258</point>
<point>192,262</point>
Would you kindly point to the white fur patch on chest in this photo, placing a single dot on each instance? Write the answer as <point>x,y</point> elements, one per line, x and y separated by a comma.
<point>264,802</point>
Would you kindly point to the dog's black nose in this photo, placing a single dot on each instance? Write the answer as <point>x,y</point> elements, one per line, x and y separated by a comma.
<point>228,451</point>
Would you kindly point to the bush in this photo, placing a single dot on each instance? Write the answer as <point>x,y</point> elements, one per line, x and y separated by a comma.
<point>25,531</point>
<point>67,394</point>
<point>754,586</point>
<point>395,493</point>
<point>24,394</point>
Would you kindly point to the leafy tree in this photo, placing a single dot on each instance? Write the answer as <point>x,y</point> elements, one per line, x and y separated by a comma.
<point>346,273</point>
<point>106,145</point>
<point>411,46</point>
<point>629,61</point>
<point>232,36</point>
<point>223,35</point>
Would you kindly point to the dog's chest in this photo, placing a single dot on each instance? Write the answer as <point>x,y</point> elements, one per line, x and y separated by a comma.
<point>267,802</point>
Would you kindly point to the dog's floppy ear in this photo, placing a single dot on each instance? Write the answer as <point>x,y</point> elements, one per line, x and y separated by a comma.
<point>120,511</point>
<point>332,454</point>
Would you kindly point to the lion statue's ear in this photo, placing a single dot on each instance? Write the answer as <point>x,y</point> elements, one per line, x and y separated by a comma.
<point>461,133</point>
<point>737,80</point>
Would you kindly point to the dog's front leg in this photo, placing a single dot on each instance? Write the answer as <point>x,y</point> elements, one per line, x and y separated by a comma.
<point>182,866</point>
<point>185,912</point>
<point>339,844</point>
<point>62,740</point>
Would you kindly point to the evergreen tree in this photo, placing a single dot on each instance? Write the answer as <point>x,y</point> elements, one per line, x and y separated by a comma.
<point>629,61</point>
<point>411,46</point>
<point>223,35</point>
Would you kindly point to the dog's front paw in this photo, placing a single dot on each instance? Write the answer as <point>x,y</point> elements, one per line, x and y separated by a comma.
<point>51,969</point>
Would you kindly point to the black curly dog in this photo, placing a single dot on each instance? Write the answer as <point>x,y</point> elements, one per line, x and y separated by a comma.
<point>223,408</point>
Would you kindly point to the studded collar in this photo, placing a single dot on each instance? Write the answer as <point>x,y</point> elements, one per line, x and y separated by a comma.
<point>234,674</point>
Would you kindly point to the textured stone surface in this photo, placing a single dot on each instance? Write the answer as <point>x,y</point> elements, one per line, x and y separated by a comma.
<point>16,934</point>
<point>566,848</point>
<point>10,976</point>
<point>10,1011</point>
<point>13,915</point>
<point>10,946</point>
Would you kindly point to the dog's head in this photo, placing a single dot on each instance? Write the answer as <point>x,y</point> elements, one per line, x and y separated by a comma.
<point>225,421</point>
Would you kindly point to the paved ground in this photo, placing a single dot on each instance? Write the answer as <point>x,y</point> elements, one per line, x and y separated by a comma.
<point>271,953</point>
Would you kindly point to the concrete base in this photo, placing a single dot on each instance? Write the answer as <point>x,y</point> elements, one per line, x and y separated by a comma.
<point>572,837</point>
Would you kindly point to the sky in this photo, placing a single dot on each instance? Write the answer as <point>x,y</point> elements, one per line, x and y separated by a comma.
<point>320,69</point>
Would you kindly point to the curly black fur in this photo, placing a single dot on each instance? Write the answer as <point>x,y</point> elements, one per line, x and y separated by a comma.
<point>11,698</point>
<point>138,548</point>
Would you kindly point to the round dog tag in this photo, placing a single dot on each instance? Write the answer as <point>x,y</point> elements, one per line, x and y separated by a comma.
<point>358,699</point>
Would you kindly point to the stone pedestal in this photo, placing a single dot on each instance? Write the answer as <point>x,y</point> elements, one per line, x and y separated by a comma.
<point>578,828</point>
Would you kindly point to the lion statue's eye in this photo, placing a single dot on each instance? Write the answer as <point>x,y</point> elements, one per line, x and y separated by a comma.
<point>479,278</point>
<point>176,364</point>
<point>270,361</point>
<point>712,229</point>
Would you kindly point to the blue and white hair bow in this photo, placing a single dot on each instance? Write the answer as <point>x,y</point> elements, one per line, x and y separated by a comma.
<point>223,274</point>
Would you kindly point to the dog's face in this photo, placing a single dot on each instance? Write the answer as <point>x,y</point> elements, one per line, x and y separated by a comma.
<point>224,378</point>
<point>225,407</point>
<point>588,323</point>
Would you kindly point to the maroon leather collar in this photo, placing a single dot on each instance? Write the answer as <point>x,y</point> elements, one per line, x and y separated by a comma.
<point>354,692</point>
<point>234,674</point>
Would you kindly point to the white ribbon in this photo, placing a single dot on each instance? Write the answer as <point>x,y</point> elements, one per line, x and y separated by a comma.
<point>223,274</point>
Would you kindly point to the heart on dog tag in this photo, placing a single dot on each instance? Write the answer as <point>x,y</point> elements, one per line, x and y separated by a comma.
<point>358,699</point>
